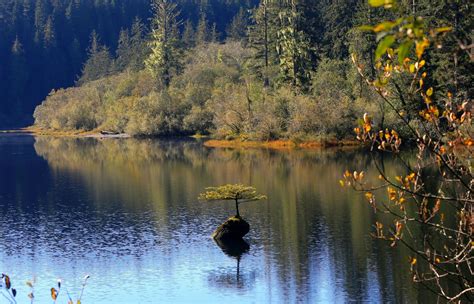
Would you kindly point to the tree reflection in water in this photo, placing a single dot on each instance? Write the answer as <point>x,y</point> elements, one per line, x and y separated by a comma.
<point>229,277</point>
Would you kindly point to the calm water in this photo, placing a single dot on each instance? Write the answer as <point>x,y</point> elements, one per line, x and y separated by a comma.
<point>125,212</point>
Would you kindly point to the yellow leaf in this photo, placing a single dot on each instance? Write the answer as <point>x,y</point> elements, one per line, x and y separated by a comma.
<point>421,46</point>
<point>443,29</point>
<point>429,92</point>
<point>54,294</point>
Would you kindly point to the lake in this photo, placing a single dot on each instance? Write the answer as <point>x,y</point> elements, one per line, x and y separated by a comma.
<point>125,211</point>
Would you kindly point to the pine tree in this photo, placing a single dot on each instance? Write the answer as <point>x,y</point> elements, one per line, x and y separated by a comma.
<point>293,45</point>
<point>75,57</point>
<point>336,19</point>
<point>138,45</point>
<point>40,19</point>
<point>18,78</point>
<point>237,29</point>
<point>99,63</point>
<point>124,51</point>
<point>164,58</point>
<point>214,36</point>
<point>202,31</point>
<point>262,38</point>
<point>49,36</point>
<point>188,36</point>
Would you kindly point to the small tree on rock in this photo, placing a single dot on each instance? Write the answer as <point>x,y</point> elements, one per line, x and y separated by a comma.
<point>237,193</point>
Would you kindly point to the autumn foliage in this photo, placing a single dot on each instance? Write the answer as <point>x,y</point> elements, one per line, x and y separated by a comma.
<point>432,204</point>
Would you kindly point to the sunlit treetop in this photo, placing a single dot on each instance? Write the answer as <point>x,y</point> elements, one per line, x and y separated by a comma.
<point>237,192</point>
<point>232,192</point>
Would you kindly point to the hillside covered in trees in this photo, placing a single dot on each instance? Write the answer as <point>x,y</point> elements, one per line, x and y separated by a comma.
<point>235,69</point>
<point>44,43</point>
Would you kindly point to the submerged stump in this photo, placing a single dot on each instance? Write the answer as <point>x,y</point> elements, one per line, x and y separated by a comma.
<point>234,228</point>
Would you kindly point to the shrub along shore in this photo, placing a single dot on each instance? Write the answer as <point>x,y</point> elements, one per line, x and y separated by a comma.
<point>215,95</point>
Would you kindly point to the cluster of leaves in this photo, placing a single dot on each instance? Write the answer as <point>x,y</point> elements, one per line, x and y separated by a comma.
<point>440,125</point>
<point>232,192</point>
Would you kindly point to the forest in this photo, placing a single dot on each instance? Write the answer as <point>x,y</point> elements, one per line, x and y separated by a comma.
<point>268,70</point>
<point>44,43</point>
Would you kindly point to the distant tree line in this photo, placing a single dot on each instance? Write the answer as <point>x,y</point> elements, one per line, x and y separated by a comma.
<point>303,46</point>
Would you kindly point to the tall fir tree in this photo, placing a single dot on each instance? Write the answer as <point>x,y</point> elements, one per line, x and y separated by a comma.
<point>188,35</point>
<point>18,78</point>
<point>293,44</point>
<point>202,30</point>
<point>263,38</point>
<point>238,28</point>
<point>99,63</point>
<point>164,58</point>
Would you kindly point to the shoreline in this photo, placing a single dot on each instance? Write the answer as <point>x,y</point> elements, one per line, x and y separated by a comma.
<point>79,134</point>
<point>282,144</point>
<point>278,144</point>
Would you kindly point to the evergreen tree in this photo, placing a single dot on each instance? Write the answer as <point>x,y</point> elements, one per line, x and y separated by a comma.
<point>124,51</point>
<point>214,36</point>
<point>99,63</point>
<point>164,58</point>
<point>293,45</point>
<point>202,31</point>
<point>188,36</point>
<point>18,78</point>
<point>336,19</point>
<point>263,37</point>
<point>237,29</point>
<point>75,57</point>
<point>138,45</point>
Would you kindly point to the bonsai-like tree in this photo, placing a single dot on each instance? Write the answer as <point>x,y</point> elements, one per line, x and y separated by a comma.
<point>237,192</point>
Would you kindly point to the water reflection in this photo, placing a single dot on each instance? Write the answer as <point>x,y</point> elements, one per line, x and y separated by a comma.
<point>231,278</point>
<point>126,211</point>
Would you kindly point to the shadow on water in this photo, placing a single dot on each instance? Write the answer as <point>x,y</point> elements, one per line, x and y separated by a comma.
<point>231,278</point>
<point>233,248</point>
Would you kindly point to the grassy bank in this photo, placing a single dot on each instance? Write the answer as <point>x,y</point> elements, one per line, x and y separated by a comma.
<point>281,144</point>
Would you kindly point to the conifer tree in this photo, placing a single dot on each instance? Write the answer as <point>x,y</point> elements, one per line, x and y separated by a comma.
<point>139,50</point>
<point>18,77</point>
<point>124,51</point>
<point>237,29</point>
<point>202,31</point>
<point>262,38</point>
<point>164,58</point>
<point>293,45</point>
<point>188,36</point>
<point>99,63</point>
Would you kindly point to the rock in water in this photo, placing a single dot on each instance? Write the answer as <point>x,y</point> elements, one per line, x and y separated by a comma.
<point>233,228</point>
